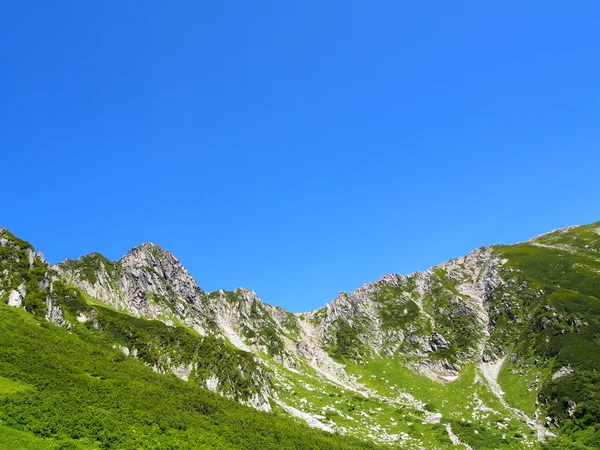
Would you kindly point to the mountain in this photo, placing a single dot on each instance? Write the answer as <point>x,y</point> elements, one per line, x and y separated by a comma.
<point>496,349</point>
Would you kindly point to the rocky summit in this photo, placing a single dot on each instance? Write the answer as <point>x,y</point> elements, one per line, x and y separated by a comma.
<point>496,349</point>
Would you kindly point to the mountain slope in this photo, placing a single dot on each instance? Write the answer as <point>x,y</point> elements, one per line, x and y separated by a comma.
<point>73,386</point>
<point>496,349</point>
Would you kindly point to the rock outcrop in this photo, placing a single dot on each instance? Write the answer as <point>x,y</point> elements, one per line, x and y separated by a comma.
<point>467,312</point>
<point>412,315</point>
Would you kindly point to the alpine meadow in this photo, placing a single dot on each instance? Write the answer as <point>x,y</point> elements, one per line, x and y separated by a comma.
<point>497,349</point>
<point>299,225</point>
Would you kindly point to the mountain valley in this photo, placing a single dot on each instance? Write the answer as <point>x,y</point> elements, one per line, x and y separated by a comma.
<point>497,349</point>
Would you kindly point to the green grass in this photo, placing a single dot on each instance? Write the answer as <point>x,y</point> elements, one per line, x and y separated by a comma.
<point>396,309</point>
<point>466,401</point>
<point>584,239</point>
<point>85,391</point>
<point>562,328</point>
<point>10,386</point>
<point>11,439</point>
<point>64,388</point>
<point>88,266</point>
<point>519,388</point>
<point>360,416</point>
<point>556,268</point>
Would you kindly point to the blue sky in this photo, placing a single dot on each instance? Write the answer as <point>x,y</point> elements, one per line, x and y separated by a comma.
<point>298,149</point>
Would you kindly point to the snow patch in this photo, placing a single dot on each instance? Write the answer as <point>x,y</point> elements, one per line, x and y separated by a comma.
<point>449,378</point>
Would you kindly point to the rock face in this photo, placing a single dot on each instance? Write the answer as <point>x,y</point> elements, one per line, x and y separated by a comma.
<point>150,282</point>
<point>416,316</point>
<point>412,316</point>
<point>54,312</point>
<point>25,278</point>
<point>147,282</point>
<point>472,311</point>
<point>562,372</point>
<point>15,297</point>
<point>149,273</point>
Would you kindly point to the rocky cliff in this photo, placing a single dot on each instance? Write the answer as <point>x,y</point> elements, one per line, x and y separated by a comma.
<point>460,320</point>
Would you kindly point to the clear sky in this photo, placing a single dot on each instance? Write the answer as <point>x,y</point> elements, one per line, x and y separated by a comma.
<point>298,149</point>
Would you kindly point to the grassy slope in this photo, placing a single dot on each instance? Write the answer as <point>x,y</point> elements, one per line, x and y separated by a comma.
<point>547,289</point>
<point>11,439</point>
<point>559,327</point>
<point>161,346</point>
<point>68,389</point>
<point>475,414</point>
<point>549,319</point>
<point>563,330</point>
<point>367,418</point>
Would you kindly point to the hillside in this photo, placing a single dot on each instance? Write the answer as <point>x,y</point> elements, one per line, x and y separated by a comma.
<point>496,349</point>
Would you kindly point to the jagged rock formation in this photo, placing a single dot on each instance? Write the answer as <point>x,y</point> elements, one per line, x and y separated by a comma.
<point>25,279</point>
<point>473,311</point>
<point>438,319</point>
<point>147,282</point>
<point>415,315</point>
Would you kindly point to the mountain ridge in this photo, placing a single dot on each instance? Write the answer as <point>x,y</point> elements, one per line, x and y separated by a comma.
<point>484,317</point>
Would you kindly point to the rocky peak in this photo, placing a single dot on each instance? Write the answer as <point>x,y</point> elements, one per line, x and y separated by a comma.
<point>151,261</point>
<point>149,255</point>
<point>392,279</point>
<point>415,314</point>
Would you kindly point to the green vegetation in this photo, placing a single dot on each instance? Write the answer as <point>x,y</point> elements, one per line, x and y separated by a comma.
<point>396,309</point>
<point>559,293</point>
<point>11,439</point>
<point>24,270</point>
<point>347,342</point>
<point>479,437</point>
<point>88,267</point>
<point>454,320</point>
<point>364,417</point>
<point>74,387</point>
<point>85,395</point>
<point>521,378</point>
<point>467,404</point>
<point>10,386</point>
<point>166,347</point>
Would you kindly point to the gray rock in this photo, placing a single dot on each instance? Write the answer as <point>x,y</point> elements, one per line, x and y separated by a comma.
<point>54,312</point>
<point>15,298</point>
<point>562,372</point>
